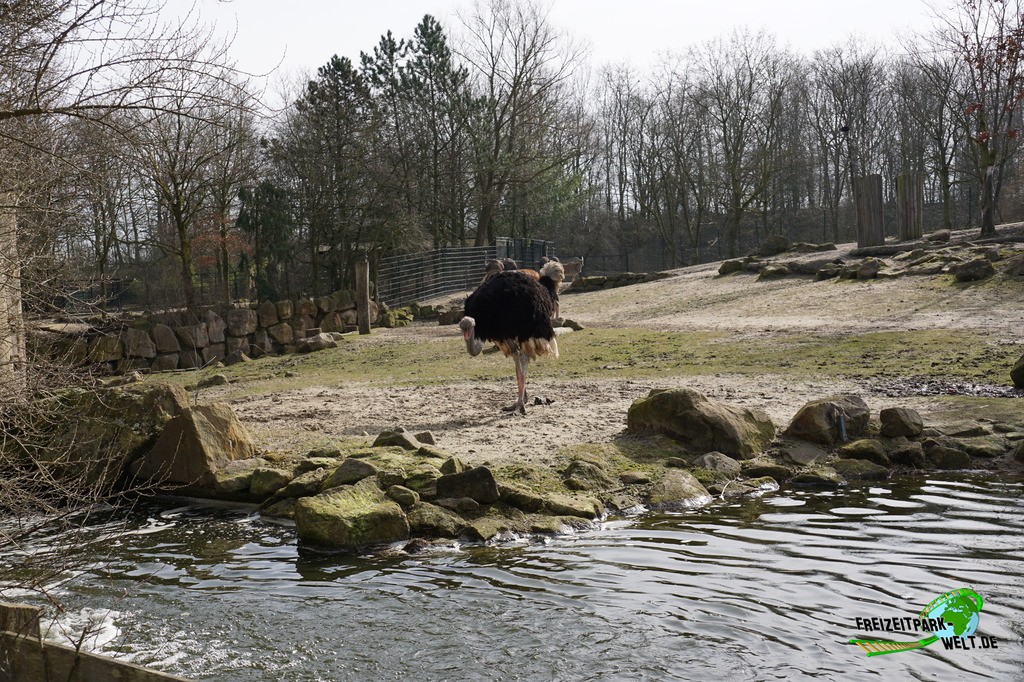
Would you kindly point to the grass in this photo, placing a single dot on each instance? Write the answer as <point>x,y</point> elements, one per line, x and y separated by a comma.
<point>636,353</point>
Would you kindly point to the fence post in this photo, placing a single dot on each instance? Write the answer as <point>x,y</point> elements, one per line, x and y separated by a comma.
<point>363,296</point>
<point>910,202</point>
<point>870,228</point>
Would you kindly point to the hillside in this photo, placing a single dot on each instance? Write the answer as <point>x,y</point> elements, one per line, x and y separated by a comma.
<point>928,342</point>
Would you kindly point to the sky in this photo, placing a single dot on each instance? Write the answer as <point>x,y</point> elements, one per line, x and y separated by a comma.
<point>297,36</point>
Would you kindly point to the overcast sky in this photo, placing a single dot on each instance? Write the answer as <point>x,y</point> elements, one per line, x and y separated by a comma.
<point>302,35</point>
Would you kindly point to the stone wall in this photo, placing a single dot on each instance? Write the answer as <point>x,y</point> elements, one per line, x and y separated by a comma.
<point>267,328</point>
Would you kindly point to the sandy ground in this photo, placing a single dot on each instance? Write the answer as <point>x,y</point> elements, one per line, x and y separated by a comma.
<point>465,419</point>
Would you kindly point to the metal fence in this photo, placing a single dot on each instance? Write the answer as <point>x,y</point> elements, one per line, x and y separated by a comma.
<point>406,279</point>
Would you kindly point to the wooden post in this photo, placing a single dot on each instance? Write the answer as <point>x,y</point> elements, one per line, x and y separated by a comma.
<point>12,331</point>
<point>20,619</point>
<point>363,296</point>
<point>910,204</point>
<point>870,229</point>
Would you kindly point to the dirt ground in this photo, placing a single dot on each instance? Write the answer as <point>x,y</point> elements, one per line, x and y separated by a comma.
<point>465,419</point>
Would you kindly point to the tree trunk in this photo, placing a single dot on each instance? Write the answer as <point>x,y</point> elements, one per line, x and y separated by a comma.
<point>988,223</point>
<point>12,332</point>
<point>947,198</point>
<point>186,266</point>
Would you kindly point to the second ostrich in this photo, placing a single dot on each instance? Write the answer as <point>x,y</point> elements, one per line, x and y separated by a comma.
<point>514,311</point>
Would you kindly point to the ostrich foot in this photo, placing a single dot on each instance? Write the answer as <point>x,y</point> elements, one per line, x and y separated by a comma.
<point>517,406</point>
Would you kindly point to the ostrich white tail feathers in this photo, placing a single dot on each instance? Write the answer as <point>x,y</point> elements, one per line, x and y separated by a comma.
<point>554,270</point>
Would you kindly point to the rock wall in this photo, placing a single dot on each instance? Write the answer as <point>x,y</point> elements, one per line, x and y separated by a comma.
<point>228,336</point>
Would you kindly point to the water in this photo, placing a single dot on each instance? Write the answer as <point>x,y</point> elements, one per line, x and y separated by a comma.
<point>762,589</point>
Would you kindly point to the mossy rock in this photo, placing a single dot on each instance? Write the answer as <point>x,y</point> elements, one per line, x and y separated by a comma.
<point>403,496</point>
<point>283,509</point>
<point>423,479</point>
<point>584,475</point>
<point>748,487</point>
<point>942,457</point>
<point>431,521</point>
<point>866,449</point>
<point>351,470</point>
<point>818,477</point>
<point>758,468</point>
<point>266,482</point>
<point>677,489</point>
<point>985,447</point>
<point>301,486</point>
<point>350,517</point>
<point>521,498</point>
<point>313,463</point>
<point>571,505</point>
<point>860,469</point>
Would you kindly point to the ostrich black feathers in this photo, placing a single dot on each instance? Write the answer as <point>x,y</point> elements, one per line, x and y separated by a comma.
<point>512,306</point>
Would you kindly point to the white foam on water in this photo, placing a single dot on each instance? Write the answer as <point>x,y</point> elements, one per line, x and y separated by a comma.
<point>93,628</point>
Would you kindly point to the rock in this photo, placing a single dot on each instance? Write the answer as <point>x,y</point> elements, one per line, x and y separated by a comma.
<point>942,457</point>
<point>718,463</point>
<point>773,246</point>
<point>303,485</point>
<point>390,477</point>
<point>282,509</point>
<point>521,498</point>
<point>829,271</point>
<point>325,304</point>
<point>761,468</point>
<point>452,465</point>
<point>236,357</point>
<point>314,343</point>
<point>860,469</point>
<point>677,489</point>
<point>730,266</point>
<point>477,484</point>
<point>284,309</point>
<point>261,344</point>
<point>164,339</point>
<point>964,430</point>
<point>138,344</point>
<point>212,380</point>
<point>435,522</point>
<point>194,445</point>
<point>818,420</point>
<point>344,299</point>
<point>774,271</point>
<point>1018,454</point>
<point>584,475</point>
<point>242,321</point>
<point>214,353</point>
<point>281,333</point>
<point>236,343</point>
<point>318,459</point>
<point>425,437</point>
<point>165,363</point>
<point>818,477</point>
<point>193,337</point>
<point>1017,373</point>
<point>403,496</point>
<point>299,324</point>
<point>215,326</point>
<point>869,268</point>
<point>985,447</point>
<point>352,470</point>
<point>635,477</point>
<point>350,518</point>
<point>461,505</point>
<point>189,359</point>
<point>569,505</point>
<point>267,314</point>
<point>749,487</point>
<point>234,478</point>
<point>675,463</point>
<point>865,449</point>
<point>332,322</point>
<point>907,453</point>
<point>422,478</point>
<point>265,482</point>
<point>401,438</point>
<point>974,270</point>
<point>939,236</point>
<point>901,421</point>
<point>701,424</point>
<point>105,348</point>
<point>803,453</point>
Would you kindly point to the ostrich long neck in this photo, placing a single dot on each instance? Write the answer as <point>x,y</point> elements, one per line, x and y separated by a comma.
<point>474,345</point>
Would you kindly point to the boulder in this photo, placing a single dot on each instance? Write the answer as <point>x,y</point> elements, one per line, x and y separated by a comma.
<point>260,344</point>
<point>865,449</point>
<point>194,445</point>
<point>305,307</point>
<point>431,521</point>
<point>213,380</point>
<point>165,362</point>
<point>304,484</point>
<point>985,447</point>
<point>974,270</point>
<point>718,463</point>
<point>869,268</point>
<point>773,246</point>
<point>584,475</point>
<point>91,436</point>
<point>324,305</point>
<point>350,518</point>
<point>164,338</point>
<point>677,489</point>
<point>907,453</point>
<point>762,468</point>
<point>943,457</point>
<point>1018,454</point>
<point>189,359</point>
<point>571,505</point>
<point>282,333</point>
<point>284,309</point>
<point>193,337</point>
<point>215,326</point>
<point>344,299</point>
<point>315,343</point>
<point>901,421</point>
<point>860,470</point>
<point>422,478</point>
<point>352,470</point>
<point>1017,373</point>
<point>138,344</point>
<point>774,271</point>
<point>299,324</point>
<point>701,424</point>
<point>105,348</point>
<point>215,352</point>
<point>452,465</point>
<point>236,343</point>
<point>818,477</point>
<point>242,321</point>
<point>818,421</point>
<point>267,314</point>
<point>477,484</point>
<point>803,453</point>
<point>399,437</point>
<point>521,498</point>
<point>265,482</point>
<point>236,357</point>
<point>939,236</point>
<point>403,496</point>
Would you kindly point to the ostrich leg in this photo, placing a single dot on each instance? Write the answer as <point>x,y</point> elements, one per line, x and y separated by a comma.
<point>521,361</point>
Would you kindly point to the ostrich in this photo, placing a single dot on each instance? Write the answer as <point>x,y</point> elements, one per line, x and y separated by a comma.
<point>514,311</point>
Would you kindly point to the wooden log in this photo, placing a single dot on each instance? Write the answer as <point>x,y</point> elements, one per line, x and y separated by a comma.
<point>363,296</point>
<point>870,228</point>
<point>910,204</point>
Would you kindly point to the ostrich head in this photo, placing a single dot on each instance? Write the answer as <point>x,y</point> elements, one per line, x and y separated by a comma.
<point>473,344</point>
